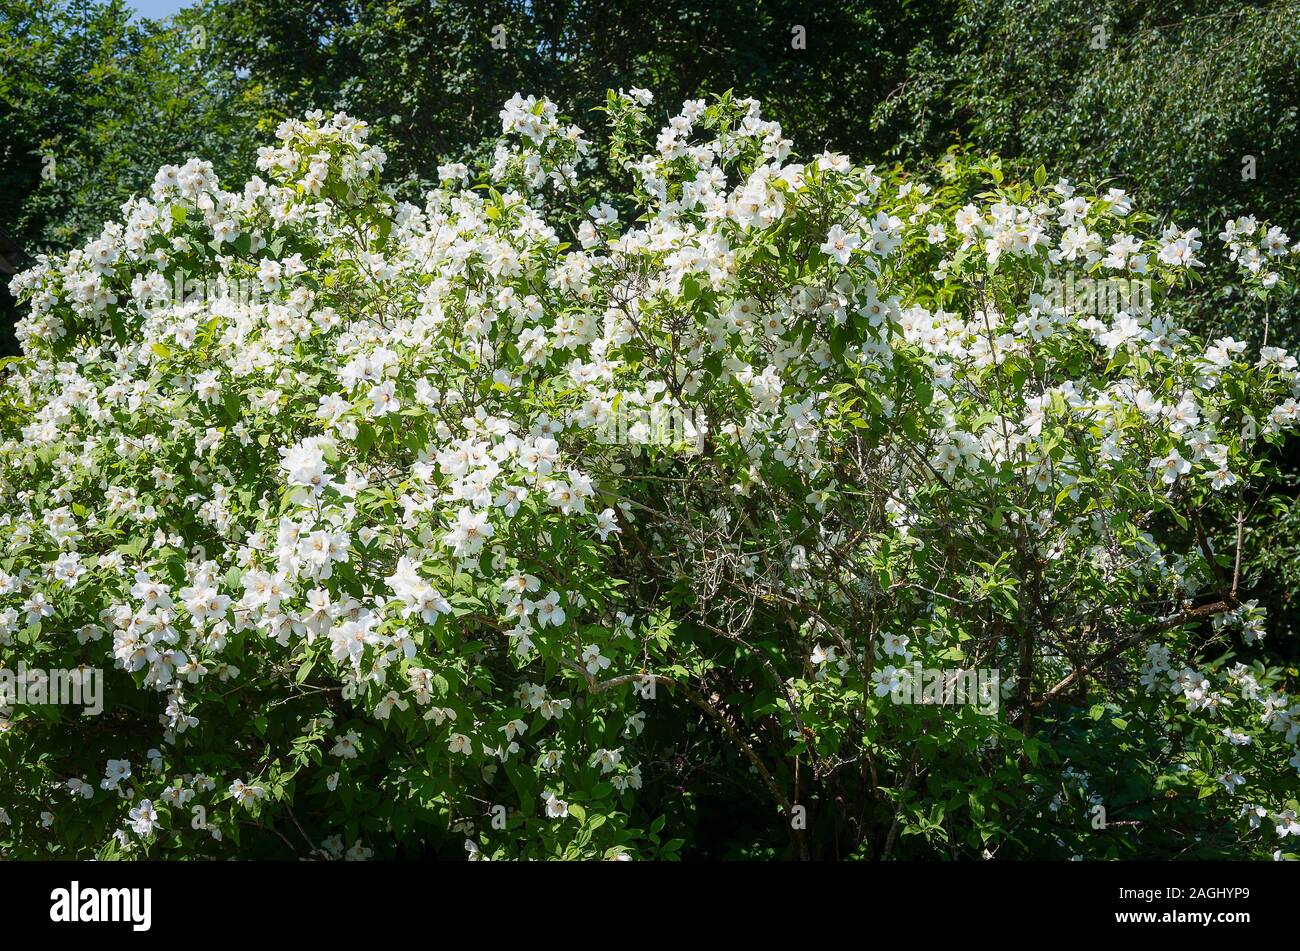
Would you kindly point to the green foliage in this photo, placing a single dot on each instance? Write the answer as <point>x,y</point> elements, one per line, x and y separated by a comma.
<point>92,103</point>
<point>374,579</point>
<point>1165,100</point>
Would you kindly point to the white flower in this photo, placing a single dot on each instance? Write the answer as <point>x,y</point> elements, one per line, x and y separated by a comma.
<point>840,244</point>
<point>345,746</point>
<point>887,680</point>
<point>555,808</point>
<point>1287,824</point>
<point>116,771</point>
<point>593,660</point>
<point>1230,781</point>
<point>469,532</point>
<point>383,399</point>
<point>549,611</point>
<point>207,387</point>
<point>144,820</point>
<point>895,645</point>
<point>245,794</point>
<point>358,853</point>
<point>392,699</point>
<point>606,523</point>
<point>1171,467</point>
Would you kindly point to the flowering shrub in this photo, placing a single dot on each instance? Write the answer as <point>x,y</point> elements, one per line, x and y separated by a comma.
<point>346,522</point>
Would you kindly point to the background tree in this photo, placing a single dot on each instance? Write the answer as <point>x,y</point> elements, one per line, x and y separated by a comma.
<point>92,103</point>
<point>1192,105</point>
<point>432,77</point>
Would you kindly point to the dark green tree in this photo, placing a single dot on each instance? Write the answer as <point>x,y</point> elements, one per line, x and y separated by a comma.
<point>432,76</point>
<point>92,103</point>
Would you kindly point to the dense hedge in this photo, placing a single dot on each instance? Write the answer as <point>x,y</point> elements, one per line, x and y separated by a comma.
<point>378,539</point>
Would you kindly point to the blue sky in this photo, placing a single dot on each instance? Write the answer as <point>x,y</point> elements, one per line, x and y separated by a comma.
<point>156,9</point>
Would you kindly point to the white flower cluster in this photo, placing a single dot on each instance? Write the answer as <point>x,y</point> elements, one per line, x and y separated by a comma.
<point>376,485</point>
